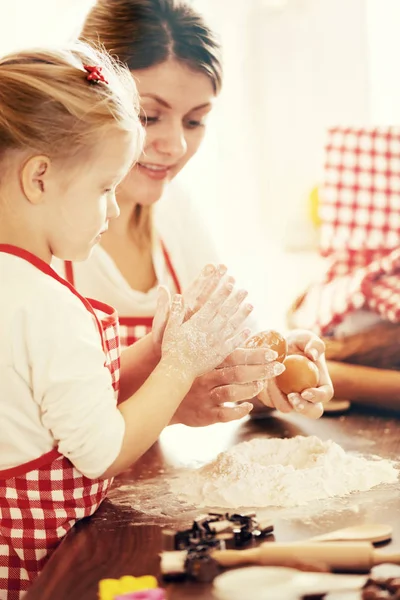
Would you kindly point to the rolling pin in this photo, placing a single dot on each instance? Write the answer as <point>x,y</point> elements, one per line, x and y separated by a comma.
<point>338,556</point>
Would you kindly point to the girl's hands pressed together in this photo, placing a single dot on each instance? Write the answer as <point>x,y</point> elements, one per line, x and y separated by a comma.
<point>188,349</point>
<point>193,297</point>
<point>201,343</point>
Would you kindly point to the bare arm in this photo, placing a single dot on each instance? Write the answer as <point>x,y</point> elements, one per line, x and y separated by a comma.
<point>137,362</point>
<point>237,380</point>
<point>147,412</point>
<point>189,349</point>
<point>366,385</point>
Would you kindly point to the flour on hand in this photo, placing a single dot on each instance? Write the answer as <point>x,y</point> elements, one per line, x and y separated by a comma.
<point>282,473</point>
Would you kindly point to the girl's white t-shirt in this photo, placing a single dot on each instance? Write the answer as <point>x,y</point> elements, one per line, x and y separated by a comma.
<point>55,391</point>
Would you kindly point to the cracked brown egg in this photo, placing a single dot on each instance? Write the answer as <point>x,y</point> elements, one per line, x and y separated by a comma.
<point>269,339</point>
<point>300,374</point>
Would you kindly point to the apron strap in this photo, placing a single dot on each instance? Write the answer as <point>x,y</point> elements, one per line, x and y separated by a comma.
<point>171,268</point>
<point>69,272</point>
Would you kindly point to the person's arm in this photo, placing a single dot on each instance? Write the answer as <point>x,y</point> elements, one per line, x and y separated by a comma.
<point>189,349</point>
<point>69,381</point>
<point>137,362</point>
<point>238,379</point>
<point>73,388</point>
<point>378,388</point>
<point>148,411</point>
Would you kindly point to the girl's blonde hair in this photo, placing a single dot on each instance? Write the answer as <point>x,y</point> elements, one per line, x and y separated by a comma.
<point>48,105</point>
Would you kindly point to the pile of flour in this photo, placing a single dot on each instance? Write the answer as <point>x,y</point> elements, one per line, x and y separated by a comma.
<point>281,472</point>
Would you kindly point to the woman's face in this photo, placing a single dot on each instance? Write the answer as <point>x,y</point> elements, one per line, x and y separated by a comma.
<point>175,101</point>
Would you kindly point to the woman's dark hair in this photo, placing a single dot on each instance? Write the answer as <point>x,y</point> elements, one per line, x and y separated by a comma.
<point>145,33</point>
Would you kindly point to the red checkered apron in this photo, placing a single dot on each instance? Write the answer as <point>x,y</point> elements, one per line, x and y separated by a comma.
<point>41,500</point>
<point>132,329</point>
<point>360,229</point>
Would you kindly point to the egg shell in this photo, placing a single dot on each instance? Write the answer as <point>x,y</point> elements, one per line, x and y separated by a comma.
<point>300,374</point>
<point>269,339</point>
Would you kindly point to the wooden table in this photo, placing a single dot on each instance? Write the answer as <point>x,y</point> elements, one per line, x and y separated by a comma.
<point>125,539</point>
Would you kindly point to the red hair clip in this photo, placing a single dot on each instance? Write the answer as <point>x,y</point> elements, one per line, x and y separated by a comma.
<point>95,74</point>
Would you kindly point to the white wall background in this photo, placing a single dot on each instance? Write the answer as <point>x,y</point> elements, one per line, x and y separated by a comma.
<point>292,69</point>
<point>290,73</point>
<point>383,23</point>
<point>26,23</point>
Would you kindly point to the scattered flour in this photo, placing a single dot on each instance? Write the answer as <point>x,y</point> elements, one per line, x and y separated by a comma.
<point>281,472</point>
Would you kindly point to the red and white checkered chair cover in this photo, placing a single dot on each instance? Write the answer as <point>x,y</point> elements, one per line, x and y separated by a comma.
<point>360,229</point>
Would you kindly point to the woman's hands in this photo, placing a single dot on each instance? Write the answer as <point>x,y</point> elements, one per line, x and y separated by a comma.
<point>240,377</point>
<point>246,373</point>
<point>311,401</point>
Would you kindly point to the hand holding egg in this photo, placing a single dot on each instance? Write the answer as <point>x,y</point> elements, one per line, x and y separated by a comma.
<point>269,339</point>
<point>302,341</point>
<point>305,384</point>
<point>299,375</point>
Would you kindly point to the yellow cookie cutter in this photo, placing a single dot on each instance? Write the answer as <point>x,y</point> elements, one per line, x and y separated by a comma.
<point>109,588</point>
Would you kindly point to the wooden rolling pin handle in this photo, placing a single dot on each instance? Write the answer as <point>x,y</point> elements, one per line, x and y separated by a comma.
<point>232,558</point>
<point>380,556</point>
<point>339,556</point>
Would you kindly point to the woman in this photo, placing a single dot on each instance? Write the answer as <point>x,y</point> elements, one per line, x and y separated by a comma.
<point>175,60</point>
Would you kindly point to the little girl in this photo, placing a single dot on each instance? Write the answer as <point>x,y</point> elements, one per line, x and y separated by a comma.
<point>69,133</point>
